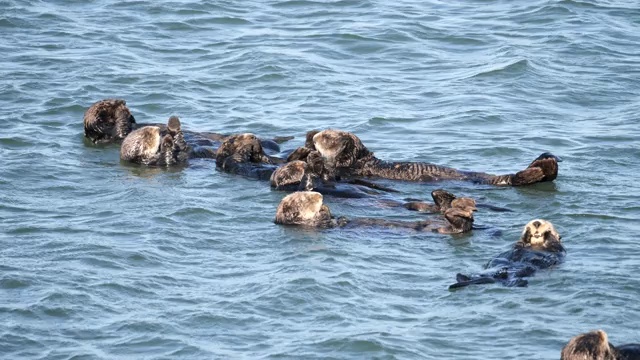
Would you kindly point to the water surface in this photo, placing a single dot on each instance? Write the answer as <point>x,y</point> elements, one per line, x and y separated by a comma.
<point>100,259</point>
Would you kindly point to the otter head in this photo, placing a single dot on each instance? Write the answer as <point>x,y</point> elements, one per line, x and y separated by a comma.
<point>290,175</point>
<point>108,120</point>
<point>339,148</point>
<point>243,148</point>
<point>592,345</point>
<point>539,231</point>
<point>303,208</point>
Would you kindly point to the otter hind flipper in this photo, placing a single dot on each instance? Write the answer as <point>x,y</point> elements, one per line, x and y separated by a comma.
<point>464,281</point>
<point>442,198</point>
<point>282,139</point>
<point>372,185</point>
<point>548,163</point>
<point>494,208</point>
<point>528,176</point>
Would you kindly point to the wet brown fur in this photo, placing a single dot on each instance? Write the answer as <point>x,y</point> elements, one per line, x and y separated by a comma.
<point>107,121</point>
<point>305,208</point>
<point>592,345</point>
<point>153,145</point>
<point>348,156</point>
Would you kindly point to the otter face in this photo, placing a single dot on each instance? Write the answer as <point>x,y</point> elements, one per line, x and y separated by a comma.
<point>538,231</point>
<point>592,345</point>
<point>340,148</point>
<point>303,208</point>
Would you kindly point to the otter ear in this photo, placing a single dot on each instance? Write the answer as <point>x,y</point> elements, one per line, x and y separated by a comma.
<point>526,236</point>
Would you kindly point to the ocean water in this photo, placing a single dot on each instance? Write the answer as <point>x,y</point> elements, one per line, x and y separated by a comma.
<point>105,260</point>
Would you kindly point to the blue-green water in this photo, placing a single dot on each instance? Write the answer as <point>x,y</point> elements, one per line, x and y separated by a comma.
<point>100,259</point>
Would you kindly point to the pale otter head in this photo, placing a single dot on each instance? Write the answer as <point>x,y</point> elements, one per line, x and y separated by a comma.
<point>289,175</point>
<point>303,208</point>
<point>141,144</point>
<point>108,120</point>
<point>243,148</point>
<point>593,345</point>
<point>539,231</point>
<point>339,148</point>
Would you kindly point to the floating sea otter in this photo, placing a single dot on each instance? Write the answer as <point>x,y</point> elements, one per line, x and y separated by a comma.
<point>312,174</point>
<point>107,121</point>
<point>306,208</point>
<point>539,247</point>
<point>595,345</point>
<point>243,154</point>
<point>348,157</point>
<point>110,120</point>
<point>153,145</point>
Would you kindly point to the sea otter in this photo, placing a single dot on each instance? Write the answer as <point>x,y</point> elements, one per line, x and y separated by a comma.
<point>110,120</point>
<point>595,345</point>
<point>539,247</point>
<point>306,208</point>
<point>153,145</point>
<point>346,154</point>
<point>311,174</point>
<point>107,121</point>
<point>243,155</point>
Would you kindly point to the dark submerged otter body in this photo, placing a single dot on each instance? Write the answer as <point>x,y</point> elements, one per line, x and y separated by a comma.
<point>348,157</point>
<point>595,345</point>
<point>538,248</point>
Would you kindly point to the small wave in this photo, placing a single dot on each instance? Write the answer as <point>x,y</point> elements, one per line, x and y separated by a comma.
<point>509,69</point>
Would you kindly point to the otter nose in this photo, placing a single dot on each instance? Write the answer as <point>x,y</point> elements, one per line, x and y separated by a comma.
<point>536,224</point>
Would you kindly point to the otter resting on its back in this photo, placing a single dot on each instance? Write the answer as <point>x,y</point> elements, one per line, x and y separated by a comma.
<point>539,247</point>
<point>243,155</point>
<point>110,120</point>
<point>346,154</point>
<point>306,208</point>
<point>107,121</point>
<point>311,174</point>
<point>595,345</point>
<point>153,145</point>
